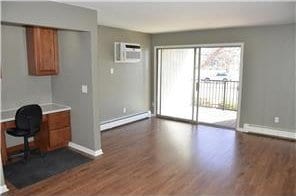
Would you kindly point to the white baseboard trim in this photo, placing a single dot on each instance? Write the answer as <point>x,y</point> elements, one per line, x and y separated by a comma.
<point>241,129</point>
<point>125,120</point>
<point>85,150</point>
<point>269,131</point>
<point>3,189</point>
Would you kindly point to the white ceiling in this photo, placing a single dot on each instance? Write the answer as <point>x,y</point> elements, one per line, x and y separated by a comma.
<point>157,17</point>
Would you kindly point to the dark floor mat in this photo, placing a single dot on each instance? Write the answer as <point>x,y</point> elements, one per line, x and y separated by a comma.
<point>39,168</point>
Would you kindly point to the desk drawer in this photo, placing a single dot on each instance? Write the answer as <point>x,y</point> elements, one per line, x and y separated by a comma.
<point>59,138</point>
<point>58,120</point>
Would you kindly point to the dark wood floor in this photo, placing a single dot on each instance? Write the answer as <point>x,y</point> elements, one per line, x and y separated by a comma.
<point>161,157</point>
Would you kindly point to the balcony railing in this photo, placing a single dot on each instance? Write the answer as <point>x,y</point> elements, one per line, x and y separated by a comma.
<point>219,94</point>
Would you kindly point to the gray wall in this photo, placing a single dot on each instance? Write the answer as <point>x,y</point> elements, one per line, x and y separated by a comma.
<point>2,182</point>
<point>18,87</point>
<point>295,60</point>
<point>63,16</point>
<point>74,56</point>
<point>129,85</point>
<point>269,69</point>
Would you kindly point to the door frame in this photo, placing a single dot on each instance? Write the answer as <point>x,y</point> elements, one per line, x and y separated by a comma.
<point>155,71</point>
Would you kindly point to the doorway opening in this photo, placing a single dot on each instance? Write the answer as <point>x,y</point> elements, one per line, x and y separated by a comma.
<point>200,84</point>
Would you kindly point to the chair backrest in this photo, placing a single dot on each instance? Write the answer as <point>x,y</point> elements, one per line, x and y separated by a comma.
<point>29,118</point>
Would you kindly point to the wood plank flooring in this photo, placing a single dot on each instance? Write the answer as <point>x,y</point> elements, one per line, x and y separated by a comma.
<point>162,157</point>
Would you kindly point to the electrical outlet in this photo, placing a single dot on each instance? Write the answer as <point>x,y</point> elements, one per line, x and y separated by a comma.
<point>112,71</point>
<point>124,110</point>
<point>276,120</point>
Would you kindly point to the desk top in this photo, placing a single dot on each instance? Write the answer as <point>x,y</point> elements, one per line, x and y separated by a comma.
<point>8,115</point>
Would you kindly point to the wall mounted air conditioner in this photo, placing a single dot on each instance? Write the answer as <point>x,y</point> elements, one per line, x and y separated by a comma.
<point>127,52</point>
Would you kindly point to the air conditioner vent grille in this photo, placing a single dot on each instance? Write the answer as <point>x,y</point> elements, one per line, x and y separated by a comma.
<point>127,52</point>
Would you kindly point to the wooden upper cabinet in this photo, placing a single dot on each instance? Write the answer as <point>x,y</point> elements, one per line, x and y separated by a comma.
<point>42,50</point>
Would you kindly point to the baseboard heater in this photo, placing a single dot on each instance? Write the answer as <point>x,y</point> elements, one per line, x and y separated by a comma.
<point>269,131</point>
<point>124,120</point>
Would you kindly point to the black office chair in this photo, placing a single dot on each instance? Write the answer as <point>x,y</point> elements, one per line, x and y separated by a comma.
<point>28,121</point>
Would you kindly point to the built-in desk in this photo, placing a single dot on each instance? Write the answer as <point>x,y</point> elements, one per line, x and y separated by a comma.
<point>55,129</point>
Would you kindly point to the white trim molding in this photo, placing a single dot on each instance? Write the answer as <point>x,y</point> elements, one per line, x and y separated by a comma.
<point>86,150</point>
<point>240,129</point>
<point>3,189</point>
<point>124,120</point>
<point>269,131</point>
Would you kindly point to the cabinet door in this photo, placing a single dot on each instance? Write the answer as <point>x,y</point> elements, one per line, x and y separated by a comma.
<point>41,139</point>
<point>48,52</point>
<point>3,143</point>
<point>59,138</point>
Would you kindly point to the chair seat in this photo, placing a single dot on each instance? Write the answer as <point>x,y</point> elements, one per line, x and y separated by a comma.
<point>18,132</point>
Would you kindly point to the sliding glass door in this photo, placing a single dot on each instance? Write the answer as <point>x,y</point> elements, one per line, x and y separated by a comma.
<point>199,84</point>
<point>177,83</point>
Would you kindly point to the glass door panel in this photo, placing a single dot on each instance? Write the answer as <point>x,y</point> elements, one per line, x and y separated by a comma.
<point>176,83</point>
<point>219,85</point>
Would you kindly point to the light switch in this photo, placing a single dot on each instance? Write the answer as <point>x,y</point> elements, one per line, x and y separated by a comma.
<point>112,71</point>
<point>84,89</point>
